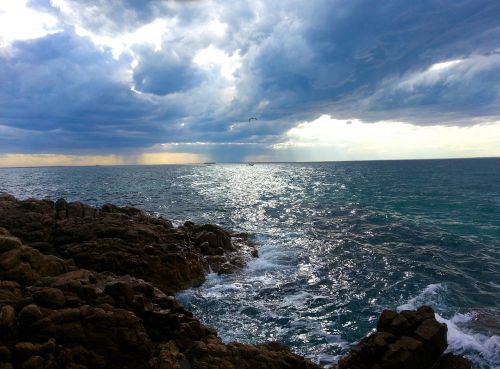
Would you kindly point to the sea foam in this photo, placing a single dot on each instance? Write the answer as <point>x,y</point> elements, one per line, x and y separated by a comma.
<point>482,349</point>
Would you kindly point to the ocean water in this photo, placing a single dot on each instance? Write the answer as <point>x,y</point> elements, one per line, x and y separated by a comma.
<point>338,243</point>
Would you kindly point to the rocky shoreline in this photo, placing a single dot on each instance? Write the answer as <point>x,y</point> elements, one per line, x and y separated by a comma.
<point>84,287</point>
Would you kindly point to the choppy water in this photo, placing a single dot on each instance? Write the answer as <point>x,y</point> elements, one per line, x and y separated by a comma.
<point>338,243</point>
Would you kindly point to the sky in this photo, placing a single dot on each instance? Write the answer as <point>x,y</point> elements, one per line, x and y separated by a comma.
<point>86,82</point>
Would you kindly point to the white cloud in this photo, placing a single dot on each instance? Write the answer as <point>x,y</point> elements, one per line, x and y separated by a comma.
<point>18,22</point>
<point>211,58</point>
<point>150,34</point>
<point>333,139</point>
<point>449,71</point>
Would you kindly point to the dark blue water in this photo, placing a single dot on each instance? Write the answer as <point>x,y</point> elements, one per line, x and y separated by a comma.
<point>338,243</point>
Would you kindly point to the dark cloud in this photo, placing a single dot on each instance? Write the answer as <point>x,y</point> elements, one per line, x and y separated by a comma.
<point>332,55</point>
<point>73,97</point>
<point>163,73</point>
<point>351,59</point>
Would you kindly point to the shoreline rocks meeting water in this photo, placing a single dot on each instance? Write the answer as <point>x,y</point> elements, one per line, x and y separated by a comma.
<point>86,287</point>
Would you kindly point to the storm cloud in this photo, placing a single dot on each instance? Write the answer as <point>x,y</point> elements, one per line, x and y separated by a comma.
<point>122,75</point>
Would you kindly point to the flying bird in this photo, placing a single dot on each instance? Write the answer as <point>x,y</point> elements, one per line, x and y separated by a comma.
<point>252,118</point>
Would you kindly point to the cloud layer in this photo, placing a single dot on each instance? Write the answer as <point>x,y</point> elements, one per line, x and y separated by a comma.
<point>103,77</point>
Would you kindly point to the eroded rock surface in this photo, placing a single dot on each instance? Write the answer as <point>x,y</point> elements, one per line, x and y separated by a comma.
<point>56,313</point>
<point>124,240</point>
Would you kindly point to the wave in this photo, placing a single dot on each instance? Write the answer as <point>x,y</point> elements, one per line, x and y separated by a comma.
<point>463,336</point>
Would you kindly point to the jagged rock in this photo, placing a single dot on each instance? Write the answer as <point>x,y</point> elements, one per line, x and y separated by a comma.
<point>433,335</point>
<point>385,320</point>
<point>84,287</point>
<point>118,240</point>
<point>405,340</point>
<point>60,315</point>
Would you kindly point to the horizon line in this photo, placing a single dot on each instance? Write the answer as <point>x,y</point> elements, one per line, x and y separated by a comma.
<point>246,162</point>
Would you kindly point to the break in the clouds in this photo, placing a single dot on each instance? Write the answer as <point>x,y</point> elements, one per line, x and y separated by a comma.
<point>120,77</point>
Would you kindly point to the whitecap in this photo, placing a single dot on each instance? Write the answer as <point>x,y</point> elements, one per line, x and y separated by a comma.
<point>298,299</point>
<point>481,349</point>
<point>431,295</point>
<point>478,347</point>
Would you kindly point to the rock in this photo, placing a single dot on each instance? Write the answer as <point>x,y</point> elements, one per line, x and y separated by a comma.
<point>10,260</point>
<point>406,340</point>
<point>399,325</point>
<point>385,320</point>
<point>29,315</point>
<point>5,354</point>
<point>451,361</point>
<point>7,317</point>
<point>50,297</point>
<point>8,243</point>
<point>227,268</point>
<point>84,287</point>
<point>34,362</point>
<point>433,336</point>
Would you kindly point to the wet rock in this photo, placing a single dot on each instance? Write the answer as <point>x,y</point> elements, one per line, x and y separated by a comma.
<point>385,320</point>
<point>433,336</point>
<point>451,361</point>
<point>406,340</point>
<point>399,325</point>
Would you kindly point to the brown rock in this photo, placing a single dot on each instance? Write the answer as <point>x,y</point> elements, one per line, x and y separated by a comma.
<point>385,320</point>
<point>8,243</point>
<point>24,350</point>
<point>399,326</point>
<point>34,362</point>
<point>29,315</point>
<point>5,354</point>
<point>122,313</point>
<point>10,260</point>
<point>451,361</point>
<point>433,336</point>
<point>425,312</point>
<point>50,297</point>
<point>7,316</point>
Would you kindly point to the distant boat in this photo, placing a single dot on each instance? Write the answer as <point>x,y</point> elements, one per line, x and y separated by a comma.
<point>251,164</point>
<point>209,163</point>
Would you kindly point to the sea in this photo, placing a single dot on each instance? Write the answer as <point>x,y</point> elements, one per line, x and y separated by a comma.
<point>338,243</point>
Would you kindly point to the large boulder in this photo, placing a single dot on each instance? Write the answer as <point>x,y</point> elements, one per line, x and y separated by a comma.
<point>405,340</point>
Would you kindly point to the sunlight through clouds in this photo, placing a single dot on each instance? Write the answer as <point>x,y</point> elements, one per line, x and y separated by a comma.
<point>353,139</point>
<point>18,22</point>
<point>105,77</point>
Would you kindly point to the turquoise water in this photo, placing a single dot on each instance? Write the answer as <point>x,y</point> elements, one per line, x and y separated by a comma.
<point>338,243</point>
